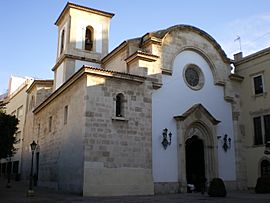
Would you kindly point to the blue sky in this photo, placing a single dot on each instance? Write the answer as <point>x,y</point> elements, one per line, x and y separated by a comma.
<point>28,36</point>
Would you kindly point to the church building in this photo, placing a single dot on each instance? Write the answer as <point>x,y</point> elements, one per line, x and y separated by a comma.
<point>155,115</point>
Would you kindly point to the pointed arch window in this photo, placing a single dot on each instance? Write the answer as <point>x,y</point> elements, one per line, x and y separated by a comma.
<point>62,41</point>
<point>119,105</point>
<point>89,38</point>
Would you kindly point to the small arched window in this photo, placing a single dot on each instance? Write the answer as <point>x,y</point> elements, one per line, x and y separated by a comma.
<point>265,168</point>
<point>62,41</point>
<point>119,105</point>
<point>89,38</point>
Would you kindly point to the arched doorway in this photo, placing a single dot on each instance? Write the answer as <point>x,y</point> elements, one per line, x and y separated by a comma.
<point>195,163</point>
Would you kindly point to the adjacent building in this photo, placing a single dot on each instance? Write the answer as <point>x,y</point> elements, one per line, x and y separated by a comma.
<point>15,104</point>
<point>255,112</point>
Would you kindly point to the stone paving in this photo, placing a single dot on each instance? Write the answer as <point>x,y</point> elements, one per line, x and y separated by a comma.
<point>18,190</point>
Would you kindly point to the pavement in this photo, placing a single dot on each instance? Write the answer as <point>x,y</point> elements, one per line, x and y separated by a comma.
<point>18,193</point>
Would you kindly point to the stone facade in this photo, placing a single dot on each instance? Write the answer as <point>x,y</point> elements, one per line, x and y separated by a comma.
<point>117,149</point>
<point>97,145</point>
<point>61,154</point>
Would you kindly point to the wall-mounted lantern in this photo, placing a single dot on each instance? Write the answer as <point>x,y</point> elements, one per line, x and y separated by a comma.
<point>226,143</point>
<point>167,138</point>
<point>267,148</point>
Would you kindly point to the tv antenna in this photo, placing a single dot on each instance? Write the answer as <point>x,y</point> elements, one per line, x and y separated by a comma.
<point>239,40</point>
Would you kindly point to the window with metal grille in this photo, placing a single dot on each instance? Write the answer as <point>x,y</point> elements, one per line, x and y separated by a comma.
<point>266,119</point>
<point>50,123</point>
<point>258,140</point>
<point>119,105</point>
<point>65,114</point>
<point>258,84</point>
<point>265,168</point>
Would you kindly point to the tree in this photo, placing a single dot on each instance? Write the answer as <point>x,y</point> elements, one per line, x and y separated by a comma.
<point>3,102</point>
<point>8,128</point>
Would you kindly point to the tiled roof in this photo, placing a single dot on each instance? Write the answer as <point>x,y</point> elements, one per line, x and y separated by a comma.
<point>112,72</point>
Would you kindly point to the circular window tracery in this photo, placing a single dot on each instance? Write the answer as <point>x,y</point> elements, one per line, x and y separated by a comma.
<point>193,76</point>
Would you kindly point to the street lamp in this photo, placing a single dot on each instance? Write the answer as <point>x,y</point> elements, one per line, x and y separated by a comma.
<point>30,192</point>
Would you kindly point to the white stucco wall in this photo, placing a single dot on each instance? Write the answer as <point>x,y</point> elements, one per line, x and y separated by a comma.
<point>98,38</point>
<point>79,64</point>
<point>59,76</point>
<point>174,98</point>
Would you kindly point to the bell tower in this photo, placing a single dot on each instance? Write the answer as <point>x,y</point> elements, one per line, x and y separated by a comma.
<point>83,39</point>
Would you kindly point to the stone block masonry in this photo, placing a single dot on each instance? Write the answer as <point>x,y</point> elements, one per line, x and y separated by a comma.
<point>118,157</point>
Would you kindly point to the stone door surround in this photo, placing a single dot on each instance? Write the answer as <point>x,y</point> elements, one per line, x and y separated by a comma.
<point>197,121</point>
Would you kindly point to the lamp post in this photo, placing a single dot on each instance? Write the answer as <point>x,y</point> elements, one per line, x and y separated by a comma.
<point>30,192</point>
<point>8,171</point>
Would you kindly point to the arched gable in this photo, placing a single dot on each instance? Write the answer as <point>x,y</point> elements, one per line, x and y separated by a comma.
<point>179,38</point>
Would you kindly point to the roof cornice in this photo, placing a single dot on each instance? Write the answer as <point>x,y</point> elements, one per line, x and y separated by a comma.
<point>64,56</point>
<point>16,92</point>
<point>151,40</point>
<point>252,56</point>
<point>140,55</point>
<point>114,74</point>
<point>83,8</point>
<point>39,82</point>
<point>92,71</point>
<point>236,77</point>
